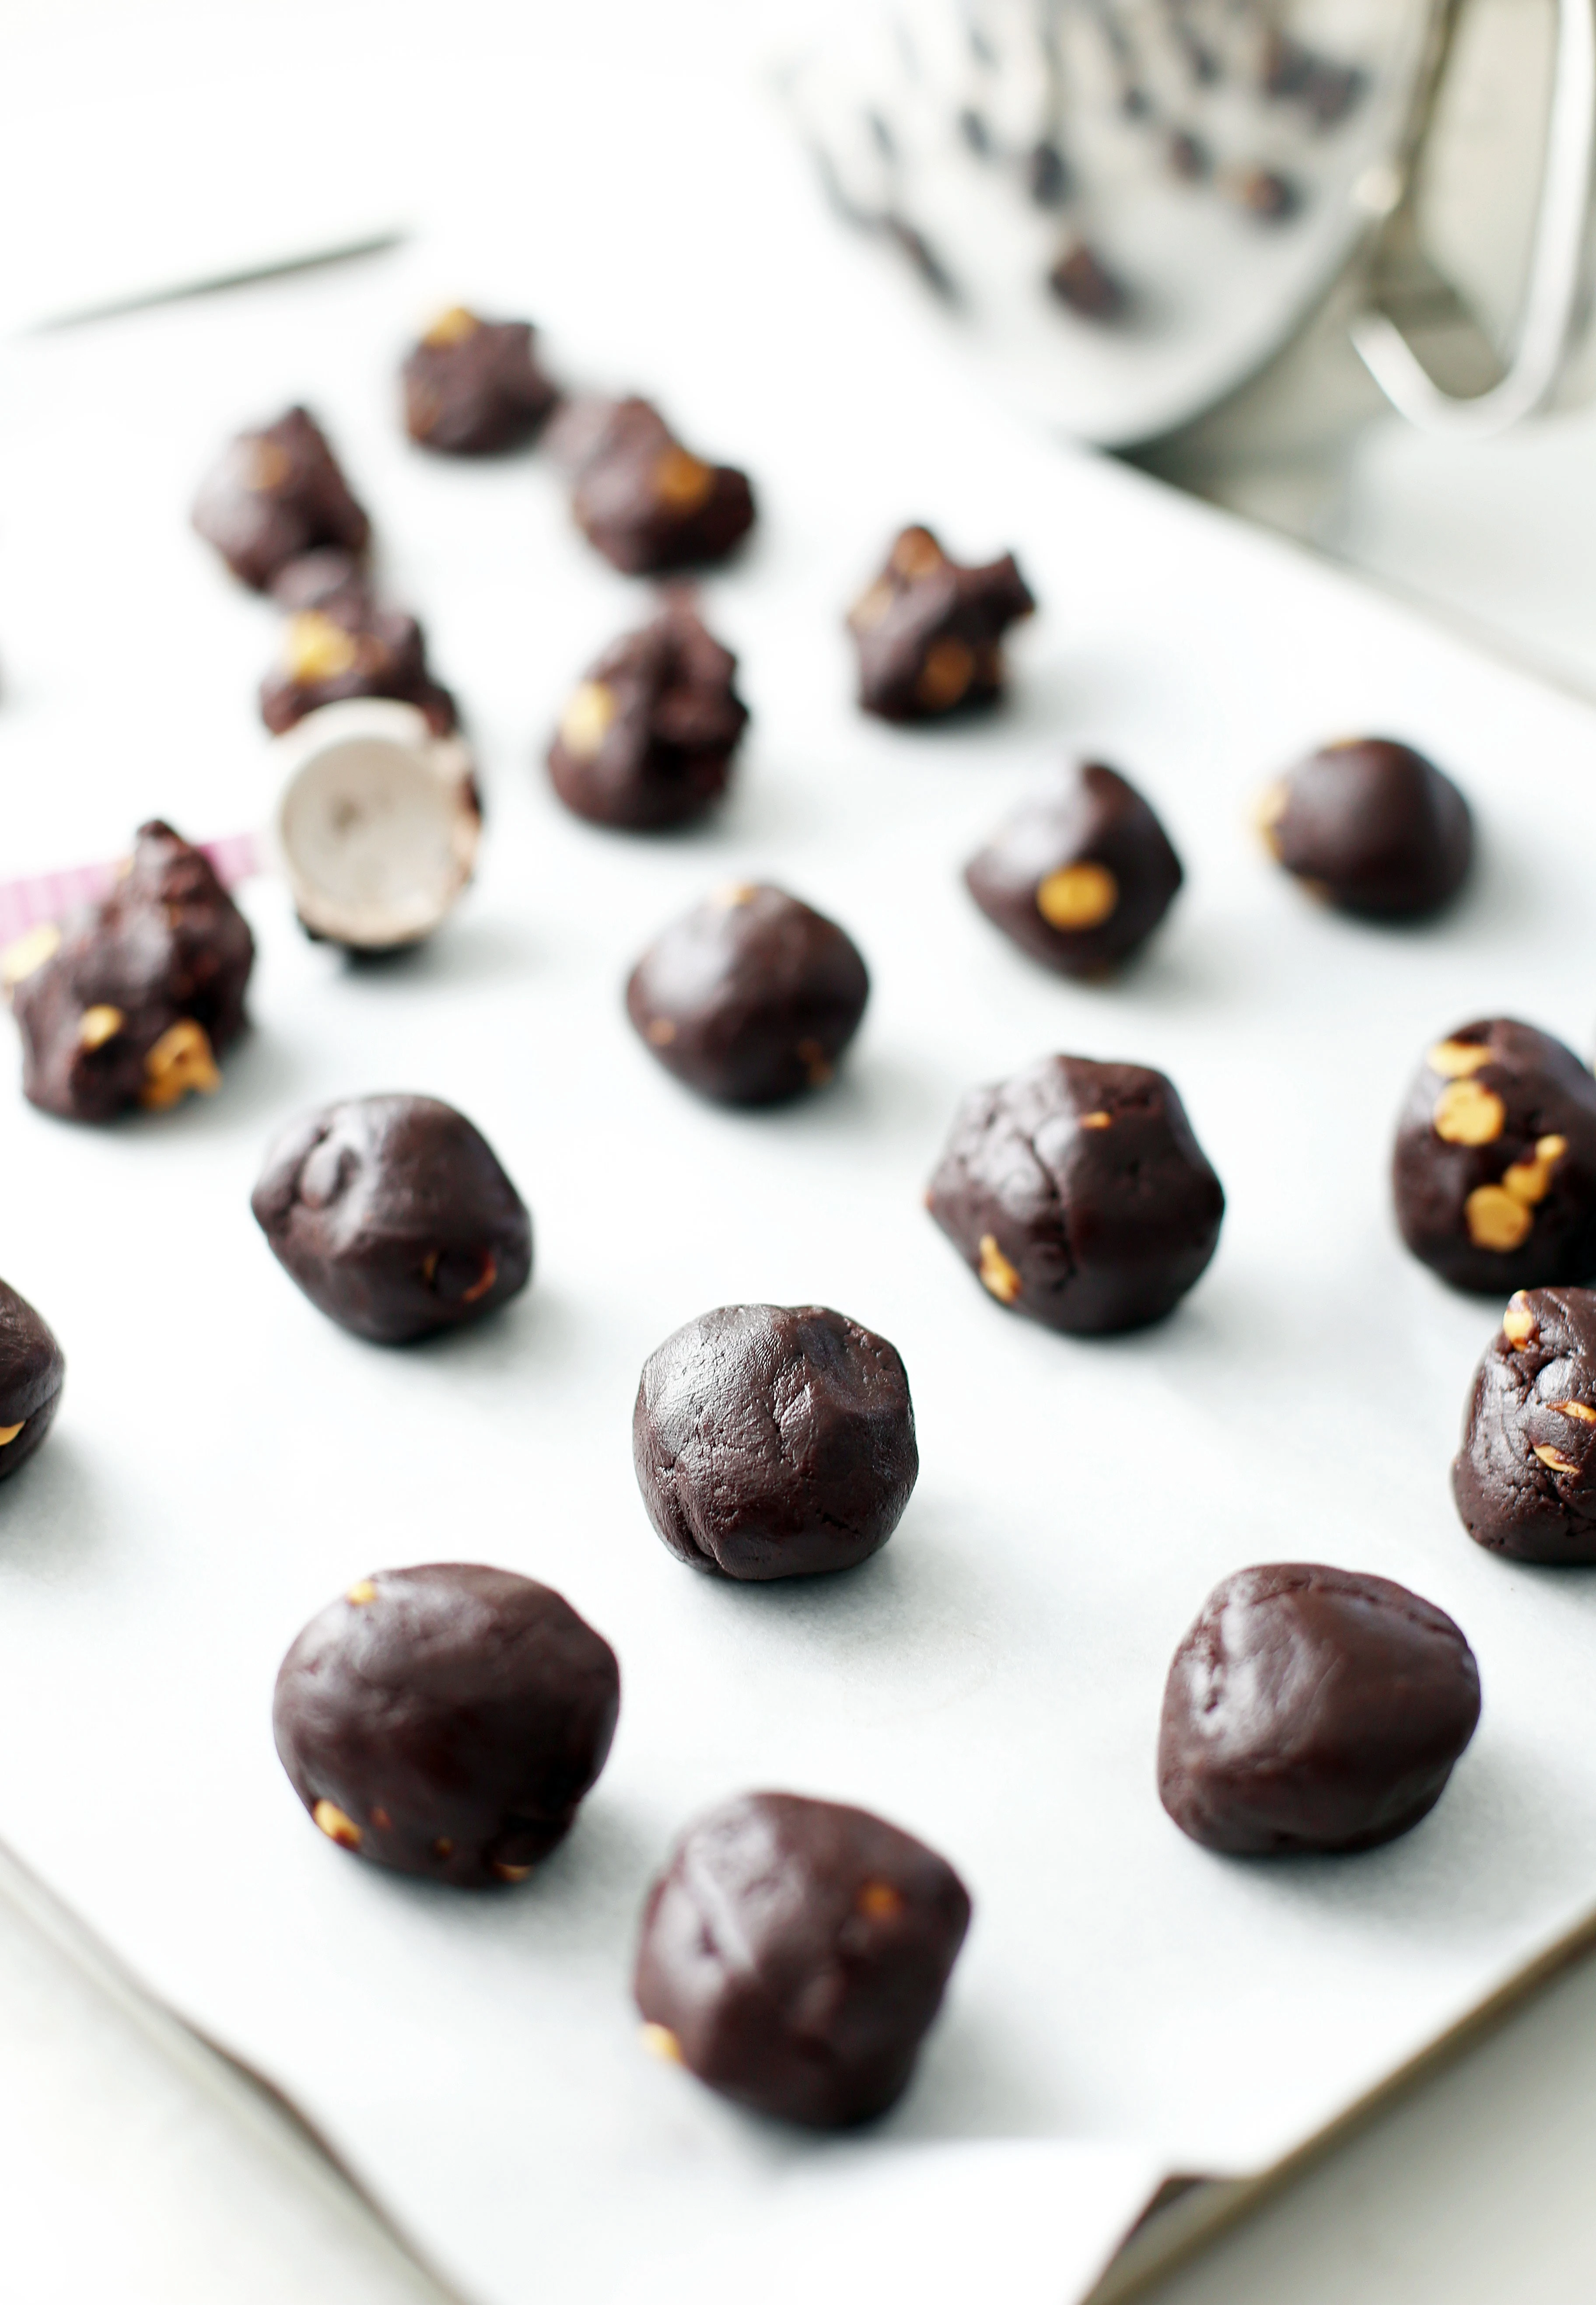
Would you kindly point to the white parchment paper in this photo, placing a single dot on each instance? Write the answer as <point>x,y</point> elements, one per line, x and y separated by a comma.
<point>226,1459</point>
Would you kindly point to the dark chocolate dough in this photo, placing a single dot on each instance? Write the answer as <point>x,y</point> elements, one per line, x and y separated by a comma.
<point>32,1366</point>
<point>1078,1196</point>
<point>794,1955</point>
<point>647,736</point>
<point>640,498</point>
<point>1312,1708</point>
<point>275,494</point>
<point>395,1217</point>
<point>1526,1477</point>
<point>339,643</point>
<point>473,387</point>
<point>1495,1167</point>
<point>751,998</point>
<point>774,1441</point>
<point>140,993</point>
<point>929,633</point>
<point>446,1720</point>
<point>1373,827</point>
<point>1080,874</point>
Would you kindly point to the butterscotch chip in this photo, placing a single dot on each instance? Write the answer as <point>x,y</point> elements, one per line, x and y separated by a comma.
<point>1496,1218</point>
<point>314,648</point>
<point>1465,1113</point>
<point>1575,1409</point>
<point>8,1433</point>
<point>361,1593</point>
<point>1097,1120</point>
<point>1077,897</point>
<point>28,952</point>
<point>179,1061</point>
<point>996,1272</point>
<point>1456,1059</point>
<point>100,1024</point>
<point>1518,1322</point>
<point>682,481</point>
<point>660,2042</point>
<point>587,718</point>
<point>452,328</point>
<point>336,1825</point>
<point>1555,1459</point>
<point>945,676</point>
<point>916,553</point>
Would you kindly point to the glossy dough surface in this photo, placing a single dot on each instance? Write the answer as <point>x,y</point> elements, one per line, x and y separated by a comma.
<point>446,1720</point>
<point>751,998</point>
<point>1312,1708</point>
<point>32,1368</point>
<point>1080,875</point>
<point>774,1441</point>
<point>1494,1170</point>
<point>142,993</point>
<point>794,1953</point>
<point>395,1217</point>
<point>1524,1478</point>
<point>1078,1196</point>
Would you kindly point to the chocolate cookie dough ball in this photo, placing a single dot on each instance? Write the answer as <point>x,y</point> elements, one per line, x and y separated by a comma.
<point>1526,1477</point>
<point>1495,1168</point>
<point>1312,1708</point>
<point>340,642</point>
<point>473,387</point>
<point>275,494</point>
<point>1078,1196</point>
<point>446,1721</point>
<point>1372,826</point>
<point>1080,875</point>
<point>929,633</point>
<point>135,999</point>
<point>774,1441</point>
<point>794,1955</point>
<point>640,498</point>
<point>395,1217</point>
<point>32,1366</point>
<point>647,736</point>
<point>751,998</point>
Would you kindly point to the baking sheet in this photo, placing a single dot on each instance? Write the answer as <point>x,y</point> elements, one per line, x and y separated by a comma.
<point>225,1460</point>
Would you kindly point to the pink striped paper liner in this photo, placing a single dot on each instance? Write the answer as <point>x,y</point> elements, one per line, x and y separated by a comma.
<point>52,896</point>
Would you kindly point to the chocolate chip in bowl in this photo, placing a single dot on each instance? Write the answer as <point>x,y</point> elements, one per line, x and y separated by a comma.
<point>129,1003</point>
<point>378,824</point>
<point>394,1216</point>
<point>446,1721</point>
